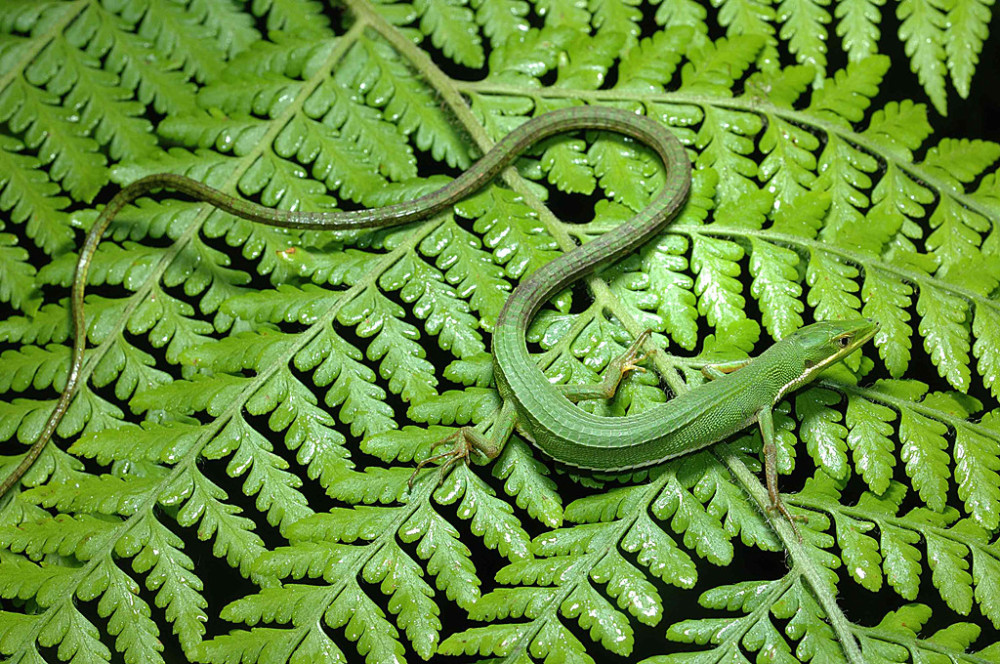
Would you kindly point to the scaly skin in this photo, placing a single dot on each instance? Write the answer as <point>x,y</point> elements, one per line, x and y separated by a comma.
<point>687,423</point>
<point>484,170</point>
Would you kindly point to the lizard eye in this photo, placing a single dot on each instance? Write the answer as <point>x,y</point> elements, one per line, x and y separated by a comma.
<point>842,342</point>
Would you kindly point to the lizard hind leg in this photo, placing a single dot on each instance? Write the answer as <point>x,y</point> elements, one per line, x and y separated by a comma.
<point>468,439</point>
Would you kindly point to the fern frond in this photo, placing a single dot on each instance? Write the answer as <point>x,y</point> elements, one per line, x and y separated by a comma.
<point>234,480</point>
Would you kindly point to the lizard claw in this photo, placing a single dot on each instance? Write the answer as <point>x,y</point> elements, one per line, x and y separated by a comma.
<point>465,441</point>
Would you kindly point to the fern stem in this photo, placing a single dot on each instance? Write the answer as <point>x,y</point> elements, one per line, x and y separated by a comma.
<point>878,396</point>
<point>756,106</point>
<point>451,93</point>
<point>803,562</point>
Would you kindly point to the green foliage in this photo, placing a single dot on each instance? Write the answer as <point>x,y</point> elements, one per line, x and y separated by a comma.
<point>231,482</point>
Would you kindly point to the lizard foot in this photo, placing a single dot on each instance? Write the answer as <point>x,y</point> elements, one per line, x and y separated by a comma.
<point>619,367</point>
<point>463,441</point>
<point>779,506</point>
<point>634,356</point>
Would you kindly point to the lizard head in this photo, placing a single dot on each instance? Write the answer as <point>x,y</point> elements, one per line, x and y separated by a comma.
<point>821,344</point>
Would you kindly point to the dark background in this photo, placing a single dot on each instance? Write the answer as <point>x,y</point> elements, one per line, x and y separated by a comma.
<point>978,116</point>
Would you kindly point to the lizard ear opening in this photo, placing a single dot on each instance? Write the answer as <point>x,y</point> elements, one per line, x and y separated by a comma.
<point>809,364</point>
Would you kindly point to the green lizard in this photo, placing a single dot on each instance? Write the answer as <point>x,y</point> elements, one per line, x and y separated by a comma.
<point>738,395</point>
